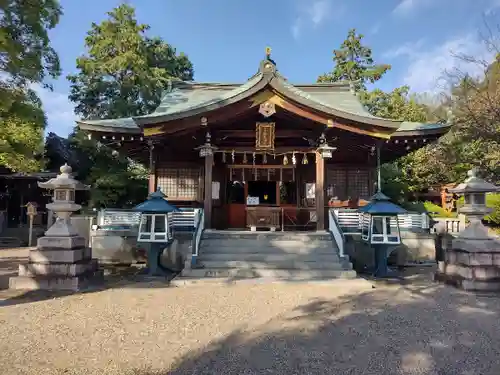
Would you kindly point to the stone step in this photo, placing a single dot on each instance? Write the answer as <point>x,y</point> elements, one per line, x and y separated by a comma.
<point>267,236</point>
<point>9,242</point>
<point>291,265</point>
<point>276,274</point>
<point>269,257</point>
<point>278,243</point>
<point>267,251</point>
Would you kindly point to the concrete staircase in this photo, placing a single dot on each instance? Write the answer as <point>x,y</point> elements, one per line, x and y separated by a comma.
<point>273,255</point>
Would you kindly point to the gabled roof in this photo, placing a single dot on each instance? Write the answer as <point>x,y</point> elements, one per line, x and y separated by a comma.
<point>186,99</point>
<point>189,99</point>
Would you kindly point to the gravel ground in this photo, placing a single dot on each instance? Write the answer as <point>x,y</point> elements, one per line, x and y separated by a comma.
<point>143,329</point>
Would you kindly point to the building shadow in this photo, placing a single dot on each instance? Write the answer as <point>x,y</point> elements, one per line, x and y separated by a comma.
<point>115,277</point>
<point>410,330</point>
<point>8,268</point>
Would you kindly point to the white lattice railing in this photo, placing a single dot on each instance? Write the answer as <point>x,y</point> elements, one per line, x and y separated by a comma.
<point>350,221</point>
<point>198,232</point>
<point>185,219</point>
<point>334,229</point>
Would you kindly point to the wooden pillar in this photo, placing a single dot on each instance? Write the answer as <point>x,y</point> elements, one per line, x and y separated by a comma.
<point>207,205</point>
<point>152,169</point>
<point>320,192</point>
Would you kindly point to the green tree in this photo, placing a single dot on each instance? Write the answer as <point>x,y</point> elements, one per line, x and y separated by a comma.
<point>26,58</point>
<point>353,61</point>
<point>397,104</point>
<point>22,123</point>
<point>123,74</point>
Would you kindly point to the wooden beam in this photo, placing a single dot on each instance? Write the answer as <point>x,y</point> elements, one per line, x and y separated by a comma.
<point>320,192</point>
<point>207,204</point>
<point>152,169</point>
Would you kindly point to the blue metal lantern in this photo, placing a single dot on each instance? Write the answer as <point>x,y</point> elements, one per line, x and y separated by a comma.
<point>380,228</point>
<point>155,229</point>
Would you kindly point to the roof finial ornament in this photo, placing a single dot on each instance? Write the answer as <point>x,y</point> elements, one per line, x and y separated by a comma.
<point>268,53</point>
<point>267,66</point>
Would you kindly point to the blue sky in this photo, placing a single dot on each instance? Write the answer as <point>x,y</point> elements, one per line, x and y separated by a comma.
<point>226,39</point>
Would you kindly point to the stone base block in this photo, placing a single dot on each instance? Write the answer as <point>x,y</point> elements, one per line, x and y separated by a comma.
<point>55,243</point>
<point>58,269</point>
<point>59,255</point>
<point>479,272</point>
<point>468,285</point>
<point>56,283</point>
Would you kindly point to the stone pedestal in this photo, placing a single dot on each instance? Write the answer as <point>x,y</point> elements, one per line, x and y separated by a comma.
<point>58,263</point>
<point>473,261</point>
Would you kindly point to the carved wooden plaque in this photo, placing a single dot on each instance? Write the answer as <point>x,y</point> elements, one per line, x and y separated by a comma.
<point>264,138</point>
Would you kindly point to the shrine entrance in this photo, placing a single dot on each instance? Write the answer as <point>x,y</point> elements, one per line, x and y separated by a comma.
<point>267,197</point>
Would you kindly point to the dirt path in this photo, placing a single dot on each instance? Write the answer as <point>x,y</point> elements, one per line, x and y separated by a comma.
<point>419,328</point>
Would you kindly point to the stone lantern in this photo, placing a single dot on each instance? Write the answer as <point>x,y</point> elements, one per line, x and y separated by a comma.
<point>61,260</point>
<point>155,229</point>
<point>473,261</point>
<point>474,190</point>
<point>380,229</point>
<point>63,201</point>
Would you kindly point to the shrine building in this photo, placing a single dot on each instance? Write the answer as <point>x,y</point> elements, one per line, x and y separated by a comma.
<point>263,153</point>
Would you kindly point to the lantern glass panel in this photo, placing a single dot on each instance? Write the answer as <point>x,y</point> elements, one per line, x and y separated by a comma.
<point>392,230</point>
<point>146,224</point>
<point>378,225</point>
<point>160,226</point>
<point>327,154</point>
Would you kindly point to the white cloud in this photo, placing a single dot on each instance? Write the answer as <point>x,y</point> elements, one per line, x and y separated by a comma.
<point>375,28</point>
<point>406,7</point>
<point>406,49</point>
<point>311,13</point>
<point>427,69</point>
<point>493,6</point>
<point>319,11</point>
<point>58,109</point>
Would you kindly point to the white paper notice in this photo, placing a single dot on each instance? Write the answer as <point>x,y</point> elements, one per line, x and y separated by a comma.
<point>310,190</point>
<point>215,189</point>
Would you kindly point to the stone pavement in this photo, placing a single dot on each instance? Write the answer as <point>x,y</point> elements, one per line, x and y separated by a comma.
<point>410,328</point>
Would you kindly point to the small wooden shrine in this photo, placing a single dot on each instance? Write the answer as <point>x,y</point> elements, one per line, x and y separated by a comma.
<point>264,153</point>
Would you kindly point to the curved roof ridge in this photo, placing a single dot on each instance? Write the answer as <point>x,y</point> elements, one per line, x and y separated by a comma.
<point>360,113</point>
<point>178,98</point>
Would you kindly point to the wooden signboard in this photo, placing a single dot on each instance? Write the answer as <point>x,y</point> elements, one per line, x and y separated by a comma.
<point>264,138</point>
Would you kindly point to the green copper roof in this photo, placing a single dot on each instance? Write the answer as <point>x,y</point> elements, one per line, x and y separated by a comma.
<point>409,127</point>
<point>124,125</point>
<point>185,99</point>
<point>186,96</point>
